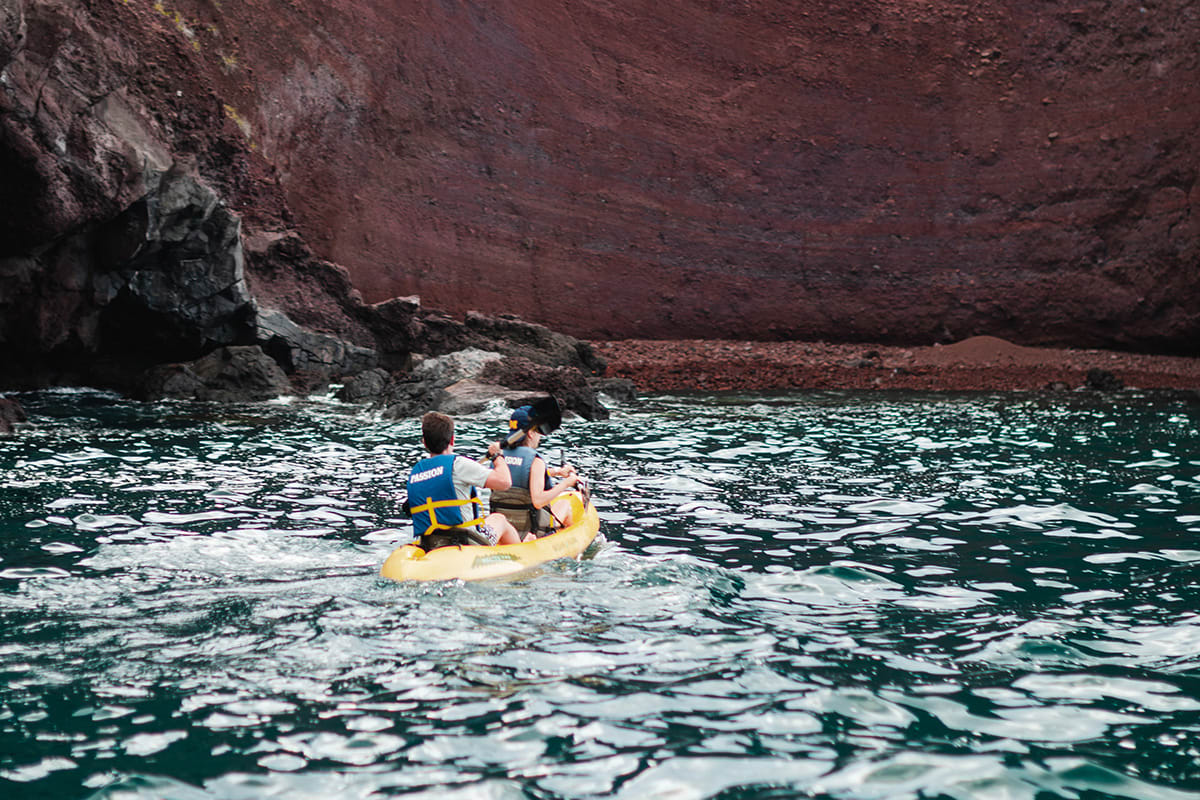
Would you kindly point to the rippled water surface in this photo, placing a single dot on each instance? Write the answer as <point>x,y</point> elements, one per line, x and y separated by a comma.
<point>829,595</point>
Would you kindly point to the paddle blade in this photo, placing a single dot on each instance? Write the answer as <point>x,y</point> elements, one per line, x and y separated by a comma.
<point>546,414</point>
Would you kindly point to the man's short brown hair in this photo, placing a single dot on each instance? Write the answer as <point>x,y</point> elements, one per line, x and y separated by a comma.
<point>437,431</point>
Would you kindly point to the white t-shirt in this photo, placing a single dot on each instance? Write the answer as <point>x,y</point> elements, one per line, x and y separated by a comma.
<point>468,473</point>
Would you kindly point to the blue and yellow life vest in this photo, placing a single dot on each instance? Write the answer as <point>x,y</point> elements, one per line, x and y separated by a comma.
<point>433,502</point>
<point>520,462</point>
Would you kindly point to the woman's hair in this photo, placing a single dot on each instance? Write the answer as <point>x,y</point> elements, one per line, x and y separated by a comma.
<point>437,430</point>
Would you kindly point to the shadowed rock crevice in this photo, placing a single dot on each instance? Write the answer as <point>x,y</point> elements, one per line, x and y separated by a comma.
<point>163,280</point>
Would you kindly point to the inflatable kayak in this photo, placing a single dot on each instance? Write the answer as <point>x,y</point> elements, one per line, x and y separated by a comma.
<point>476,562</point>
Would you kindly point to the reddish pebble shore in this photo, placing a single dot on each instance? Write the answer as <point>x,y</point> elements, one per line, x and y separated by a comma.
<point>978,363</point>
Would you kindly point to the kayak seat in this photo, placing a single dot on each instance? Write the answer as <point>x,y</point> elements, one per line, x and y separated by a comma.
<point>453,537</point>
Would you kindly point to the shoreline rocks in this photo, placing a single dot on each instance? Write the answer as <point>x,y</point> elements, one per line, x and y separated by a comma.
<point>228,374</point>
<point>978,363</point>
<point>466,381</point>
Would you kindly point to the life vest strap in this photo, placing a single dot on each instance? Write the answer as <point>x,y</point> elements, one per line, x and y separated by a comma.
<point>432,505</point>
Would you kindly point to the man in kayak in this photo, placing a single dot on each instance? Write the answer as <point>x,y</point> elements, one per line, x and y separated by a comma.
<point>530,504</point>
<point>443,492</point>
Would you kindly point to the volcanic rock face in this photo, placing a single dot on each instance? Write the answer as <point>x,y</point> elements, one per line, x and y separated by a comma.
<point>115,253</point>
<point>181,175</point>
<point>873,170</point>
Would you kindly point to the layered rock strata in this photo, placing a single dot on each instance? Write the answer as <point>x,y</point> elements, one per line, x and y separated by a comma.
<point>871,170</point>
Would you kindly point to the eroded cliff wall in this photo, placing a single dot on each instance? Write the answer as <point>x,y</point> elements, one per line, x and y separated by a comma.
<point>866,170</point>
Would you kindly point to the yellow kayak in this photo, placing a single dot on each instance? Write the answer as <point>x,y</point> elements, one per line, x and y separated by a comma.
<point>475,562</point>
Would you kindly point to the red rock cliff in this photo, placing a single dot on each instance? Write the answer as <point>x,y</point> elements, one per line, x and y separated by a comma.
<point>864,170</point>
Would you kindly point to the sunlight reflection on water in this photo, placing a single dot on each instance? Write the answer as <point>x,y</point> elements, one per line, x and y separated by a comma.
<point>826,594</point>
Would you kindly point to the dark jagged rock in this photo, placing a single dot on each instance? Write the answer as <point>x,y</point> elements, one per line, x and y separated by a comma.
<point>397,330</point>
<point>169,382</point>
<point>229,374</point>
<point>295,285</point>
<point>472,397</point>
<point>183,272</point>
<point>622,390</point>
<point>1102,380</point>
<point>568,384</point>
<point>425,387</point>
<point>118,248</point>
<point>367,386</point>
<point>298,349</point>
<point>161,281</point>
<point>467,381</point>
<point>401,326</point>
<point>517,337</point>
<point>11,413</point>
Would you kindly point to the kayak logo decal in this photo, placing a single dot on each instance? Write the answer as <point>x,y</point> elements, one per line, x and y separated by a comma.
<point>493,558</point>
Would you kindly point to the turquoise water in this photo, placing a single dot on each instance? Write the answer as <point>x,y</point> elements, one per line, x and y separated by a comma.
<point>818,595</point>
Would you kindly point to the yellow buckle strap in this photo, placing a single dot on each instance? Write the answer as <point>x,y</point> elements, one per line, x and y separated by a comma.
<point>431,506</point>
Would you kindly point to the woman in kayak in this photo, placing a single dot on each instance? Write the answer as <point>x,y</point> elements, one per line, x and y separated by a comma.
<point>443,496</point>
<point>530,505</point>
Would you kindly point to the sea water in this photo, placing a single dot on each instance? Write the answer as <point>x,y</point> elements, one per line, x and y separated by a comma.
<point>809,595</point>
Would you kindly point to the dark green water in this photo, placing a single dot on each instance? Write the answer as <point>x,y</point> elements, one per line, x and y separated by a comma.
<point>827,595</point>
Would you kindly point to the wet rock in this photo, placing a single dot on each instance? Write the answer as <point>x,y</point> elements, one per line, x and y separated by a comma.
<point>304,384</point>
<point>537,343</point>
<point>228,374</point>
<point>466,381</point>
<point>457,366</point>
<point>471,397</point>
<point>11,413</point>
<point>398,331</point>
<point>1102,380</point>
<point>621,390</point>
<point>423,389</point>
<point>301,350</point>
<point>161,282</point>
<point>305,294</point>
<point>119,249</point>
<point>366,386</point>
<point>402,326</point>
<point>568,384</point>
